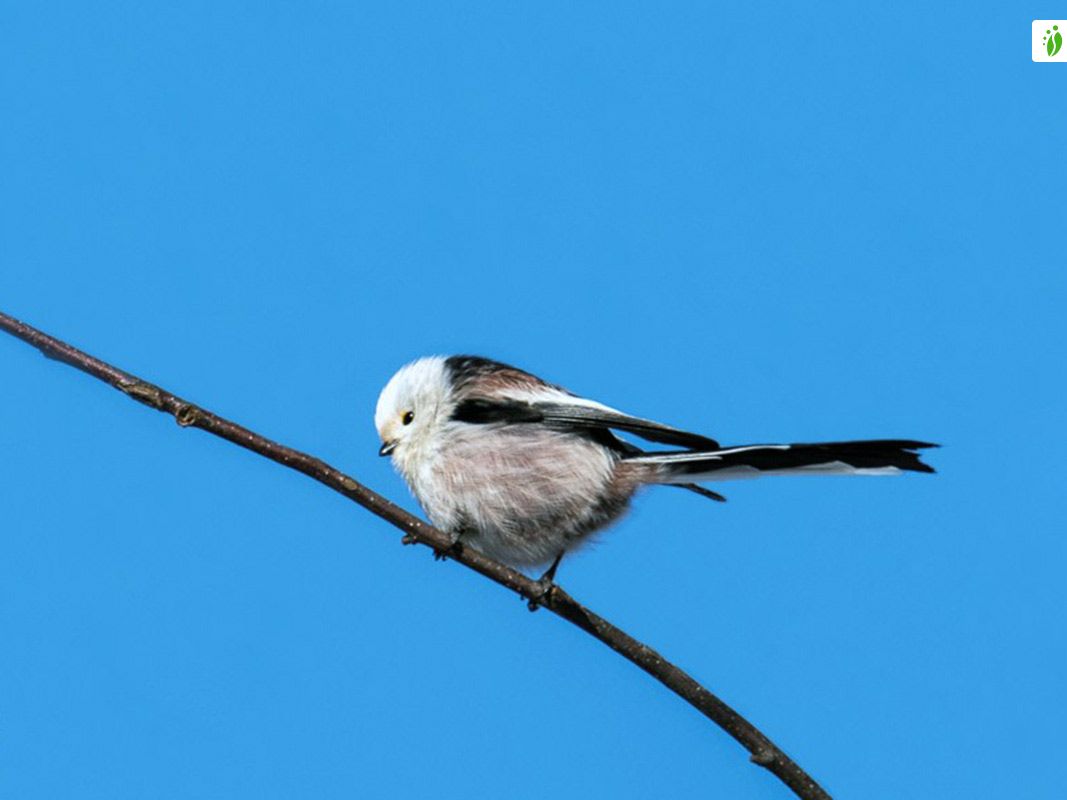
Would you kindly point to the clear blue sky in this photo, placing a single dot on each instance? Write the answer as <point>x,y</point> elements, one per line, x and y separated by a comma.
<point>760,221</point>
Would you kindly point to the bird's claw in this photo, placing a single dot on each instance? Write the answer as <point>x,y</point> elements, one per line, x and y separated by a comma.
<point>453,549</point>
<point>541,596</point>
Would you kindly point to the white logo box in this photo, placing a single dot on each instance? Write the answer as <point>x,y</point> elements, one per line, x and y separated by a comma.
<point>1044,30</point>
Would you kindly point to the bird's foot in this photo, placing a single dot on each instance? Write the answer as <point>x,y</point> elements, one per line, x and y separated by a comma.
<point>541,596</point>
<point>454,548</point>
<point>545,585</point>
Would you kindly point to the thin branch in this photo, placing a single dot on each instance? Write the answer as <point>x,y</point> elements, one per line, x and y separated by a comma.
<point>764,752</point>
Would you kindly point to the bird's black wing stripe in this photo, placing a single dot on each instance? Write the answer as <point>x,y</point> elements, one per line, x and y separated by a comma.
<point>579,416</point>
<point>479,411</point>
<point>575,418</point>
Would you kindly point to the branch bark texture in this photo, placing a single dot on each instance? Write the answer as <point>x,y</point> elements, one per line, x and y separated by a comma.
<point>188,415</point>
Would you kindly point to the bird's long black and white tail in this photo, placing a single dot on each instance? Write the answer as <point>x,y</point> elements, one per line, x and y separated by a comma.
<point>870,457</point>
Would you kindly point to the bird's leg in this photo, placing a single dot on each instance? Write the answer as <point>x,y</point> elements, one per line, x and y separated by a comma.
<point>550,574</point>
<point>545,584</point>
<point>455,546</point>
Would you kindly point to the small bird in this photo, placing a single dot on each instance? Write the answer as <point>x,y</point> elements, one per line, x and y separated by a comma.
<point>524,471</point>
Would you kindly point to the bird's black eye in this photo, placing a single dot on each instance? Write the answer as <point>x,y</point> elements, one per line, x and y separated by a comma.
<point>408,418</point>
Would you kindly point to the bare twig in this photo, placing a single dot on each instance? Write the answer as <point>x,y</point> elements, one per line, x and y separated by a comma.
<point>764,752</point>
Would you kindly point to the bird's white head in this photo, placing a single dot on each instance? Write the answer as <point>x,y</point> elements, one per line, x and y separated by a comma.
<point>411,406</point>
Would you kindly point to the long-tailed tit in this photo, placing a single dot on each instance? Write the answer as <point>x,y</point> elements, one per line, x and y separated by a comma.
<point>524,471</point>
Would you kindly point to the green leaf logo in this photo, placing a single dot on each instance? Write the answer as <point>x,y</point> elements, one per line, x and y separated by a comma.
<point>1053,41</point>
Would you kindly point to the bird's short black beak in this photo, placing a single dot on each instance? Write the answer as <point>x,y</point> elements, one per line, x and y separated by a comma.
<point>387,448</point>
